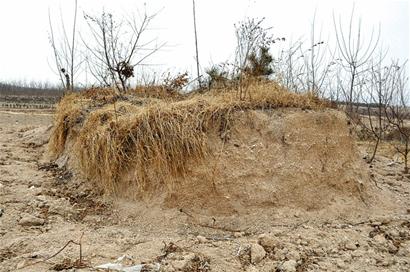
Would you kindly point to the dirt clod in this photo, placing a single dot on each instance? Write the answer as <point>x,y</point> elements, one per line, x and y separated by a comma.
<point>257,253</point>
<point>30,220</point>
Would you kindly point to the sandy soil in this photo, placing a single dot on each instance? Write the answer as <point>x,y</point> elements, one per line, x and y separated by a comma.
<point>43,208</point>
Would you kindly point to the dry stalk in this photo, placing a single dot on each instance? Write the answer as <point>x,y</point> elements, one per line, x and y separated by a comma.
<point>78,264</point>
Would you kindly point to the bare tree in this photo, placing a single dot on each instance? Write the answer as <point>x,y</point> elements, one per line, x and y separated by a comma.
<point>378,87</point>
<point>305,69</point>
<point>118,48</point>
<point>251,35</point>
<point>354,53</point>
<point>398,113</point>
<point>196,45</point>
<point>288,67</point>
<point>65,52</point>
<point>317,65</point>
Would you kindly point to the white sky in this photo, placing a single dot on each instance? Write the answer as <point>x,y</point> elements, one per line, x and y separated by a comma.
<point>25,52</point>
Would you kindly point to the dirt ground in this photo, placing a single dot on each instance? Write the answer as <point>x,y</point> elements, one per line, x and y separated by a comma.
<point>47,215</point>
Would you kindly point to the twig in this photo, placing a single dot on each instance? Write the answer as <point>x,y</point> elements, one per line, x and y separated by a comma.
<point>292,227</point>
<point>185,212</point>
<point>61,250</point>
<point>221,228</point>
<point>58,252</point>
<point>212,226</point>
<point>375,181</point>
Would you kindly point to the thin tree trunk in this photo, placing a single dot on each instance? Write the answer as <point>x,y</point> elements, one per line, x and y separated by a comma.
<point>406,153</point>
<point>375,150</point>
<point>196,45</point>
<point>350,110</point>
<point>73,47</point>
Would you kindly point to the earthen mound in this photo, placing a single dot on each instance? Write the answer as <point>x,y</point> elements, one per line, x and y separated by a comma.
<point>214,153</point>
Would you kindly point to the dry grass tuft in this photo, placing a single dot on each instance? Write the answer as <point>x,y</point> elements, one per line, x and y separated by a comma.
<point>68,113</point>
<point>100,95</point>
<point>156,141</point>
<point>160,92</point>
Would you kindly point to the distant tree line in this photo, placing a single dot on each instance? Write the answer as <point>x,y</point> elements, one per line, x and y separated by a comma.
<point>32,88</point>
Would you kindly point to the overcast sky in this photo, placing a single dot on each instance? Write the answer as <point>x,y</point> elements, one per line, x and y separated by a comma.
<point>25,51</point>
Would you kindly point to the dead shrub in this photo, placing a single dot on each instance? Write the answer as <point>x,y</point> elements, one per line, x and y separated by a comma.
<point>101,95</point>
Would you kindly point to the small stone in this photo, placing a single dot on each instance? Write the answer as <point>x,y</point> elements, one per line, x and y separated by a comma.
<point>357,254</point>
<point>404,250</point>
<point>340,264</point>
<point>297,214</point>
<point>288,266</point>
<point>238,234</point>
<point>281,254</point>
<point>350,246</point>
<point>318,251</point>
<point>267,242</point>
<point>29,220</point>
<point>393,233</point>
<point>257,253</point>
<point>379,259</point>
<point>179,264</point>
<point>183,264</point>
<point>61,207</point>
<point>293,254</point>
<point>392,249</point>
<point>201,239</point>
<point>303,242</point>
<point>1,212</point>
<point>376,223</point>
<point>380,239</point>
<point>334,250</point>
<point>21,264</point>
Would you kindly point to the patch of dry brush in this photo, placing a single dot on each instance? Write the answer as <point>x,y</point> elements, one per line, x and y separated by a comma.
<point>67,114</point>
<point>159,137</point>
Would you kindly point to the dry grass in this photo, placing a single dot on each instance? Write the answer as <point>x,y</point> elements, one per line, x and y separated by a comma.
<point>67,115</point>
<point>156,141</point>
<point>159,92</point>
